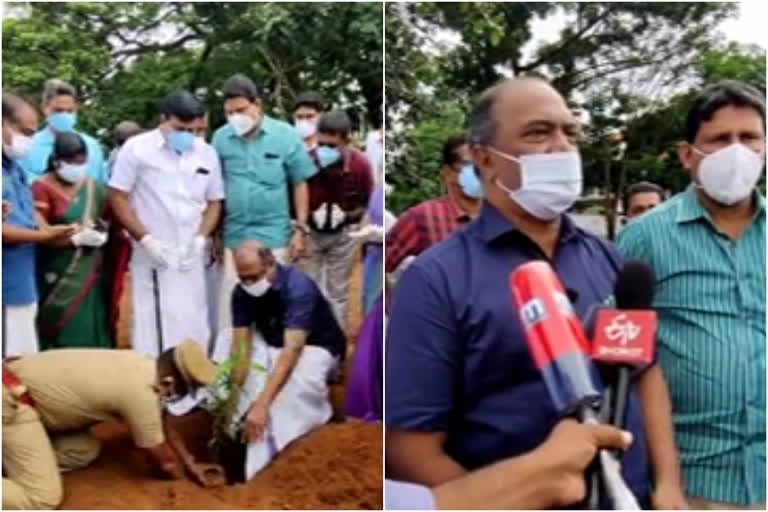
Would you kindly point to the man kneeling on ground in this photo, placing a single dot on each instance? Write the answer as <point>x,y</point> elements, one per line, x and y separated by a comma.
<point>283,324</point>
<point>51,399</point>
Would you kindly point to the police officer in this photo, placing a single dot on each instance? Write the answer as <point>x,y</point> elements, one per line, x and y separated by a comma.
<point>51,399</point>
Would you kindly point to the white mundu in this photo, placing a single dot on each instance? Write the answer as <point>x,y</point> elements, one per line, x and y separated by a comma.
<point>22,337</point>
<point>169,193</point>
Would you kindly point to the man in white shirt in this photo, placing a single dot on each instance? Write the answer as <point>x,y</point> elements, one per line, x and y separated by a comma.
<point>166,189</point>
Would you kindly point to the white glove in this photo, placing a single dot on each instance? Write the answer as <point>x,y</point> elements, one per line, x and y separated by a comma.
<point>157,250</point>
<point>319,216</point>
<point>369,234</point>
<point>192,253</point>
<point>337,216</point>
<point>88,237</point>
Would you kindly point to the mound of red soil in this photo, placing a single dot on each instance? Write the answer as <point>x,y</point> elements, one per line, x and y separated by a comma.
<point>338,466</point>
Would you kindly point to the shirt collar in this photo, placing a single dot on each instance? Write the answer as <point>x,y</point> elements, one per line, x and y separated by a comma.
<point>456,212</point>
<point>12,166</point>
<point>158,138</point>
<point>281,277</point>
<point>7,162</point>
<point>691,209</point>
<point>491,225</point>
<point>46,136</point>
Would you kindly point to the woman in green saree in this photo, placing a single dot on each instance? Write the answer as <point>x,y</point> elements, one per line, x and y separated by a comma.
<point>73,299</point>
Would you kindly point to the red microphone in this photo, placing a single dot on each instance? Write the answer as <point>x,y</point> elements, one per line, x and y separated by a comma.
<point>625,337</point>
<point>555,338</point>
<point>560,350</point>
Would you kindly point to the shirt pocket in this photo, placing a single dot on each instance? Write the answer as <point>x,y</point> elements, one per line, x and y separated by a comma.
<point>196,178</point>
<point>270,170</point>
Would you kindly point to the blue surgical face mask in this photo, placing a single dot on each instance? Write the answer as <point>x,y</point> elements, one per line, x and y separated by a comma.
<point>327,155</point>
<point>470,183</point>
<point>62,121</point>
<point>181,141</point>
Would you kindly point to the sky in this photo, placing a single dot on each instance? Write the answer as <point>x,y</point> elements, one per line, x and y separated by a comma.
<point>747,28</point>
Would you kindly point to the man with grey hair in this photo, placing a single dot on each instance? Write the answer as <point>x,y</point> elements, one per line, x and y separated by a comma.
<point>462,390</point>
<point>283,323</point>
<point>60,107</point>
<point>123,131</point>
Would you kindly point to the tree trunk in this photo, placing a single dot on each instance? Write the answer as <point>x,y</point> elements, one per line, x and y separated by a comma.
<point>609,197</point>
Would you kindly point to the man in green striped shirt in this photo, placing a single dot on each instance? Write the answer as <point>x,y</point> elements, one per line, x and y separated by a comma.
<point>707,247</point>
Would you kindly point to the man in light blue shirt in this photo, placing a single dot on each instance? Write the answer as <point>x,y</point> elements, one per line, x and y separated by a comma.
<point>22,229</point>
<point>260,156</point>
<point>707,248</point>
<point>60,106</point>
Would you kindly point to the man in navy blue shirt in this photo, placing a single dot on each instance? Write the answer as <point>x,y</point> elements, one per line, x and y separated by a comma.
<point>461,389</point>
<point>291,314</point>
<point>22,229</point>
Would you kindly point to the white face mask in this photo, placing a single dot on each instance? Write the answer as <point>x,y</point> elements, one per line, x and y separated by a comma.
<point>72,173</point>
<point>20,146</point>
<point>306,128</point>
<point>258,288</point>
<point>549,182</point>
<point>241,123</point>
<point>729,174</point>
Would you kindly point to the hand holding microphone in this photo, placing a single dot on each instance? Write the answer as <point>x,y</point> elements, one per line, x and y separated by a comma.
<point>570,448</point>
<point>560,351</point>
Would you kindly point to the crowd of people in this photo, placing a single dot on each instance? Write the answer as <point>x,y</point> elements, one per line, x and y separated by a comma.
<point>240,249</point>
<point>469,421</point>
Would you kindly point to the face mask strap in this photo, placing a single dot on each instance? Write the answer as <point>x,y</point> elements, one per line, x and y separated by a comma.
<point>503,155</point>
<point>699,152</point>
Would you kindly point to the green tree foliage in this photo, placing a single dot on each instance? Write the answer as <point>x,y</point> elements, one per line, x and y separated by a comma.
<point>123,57</point>
<point>629,68</point>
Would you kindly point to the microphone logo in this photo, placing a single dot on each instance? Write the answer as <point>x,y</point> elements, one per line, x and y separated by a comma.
<point>622,330</point>
<point>624,336</point>
<point>533,312</point>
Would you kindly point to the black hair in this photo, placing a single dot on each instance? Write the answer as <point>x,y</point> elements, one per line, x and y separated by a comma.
<point>641,187</point>
<point>309,99</point>
<point>182,105</point>
<point>449,148</point>
<point>728,93</point>
<point>335,122</point>
<point>166,367</point>
<point>240,86</point>
<point>67,145</point>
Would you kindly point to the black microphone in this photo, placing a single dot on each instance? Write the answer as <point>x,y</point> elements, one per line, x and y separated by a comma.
<point>623,338</point>
<point>560,350</point>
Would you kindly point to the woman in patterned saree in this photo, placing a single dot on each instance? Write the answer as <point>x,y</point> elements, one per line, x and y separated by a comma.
<point>73,302</point>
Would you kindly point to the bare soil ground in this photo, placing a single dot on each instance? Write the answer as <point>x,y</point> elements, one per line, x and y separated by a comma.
<point>338,466</point>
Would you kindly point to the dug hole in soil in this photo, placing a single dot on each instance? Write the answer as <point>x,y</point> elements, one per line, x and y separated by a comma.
<point>338,466</point>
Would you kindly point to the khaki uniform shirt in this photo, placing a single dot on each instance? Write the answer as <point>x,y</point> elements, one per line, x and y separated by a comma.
<point>76,388</point>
